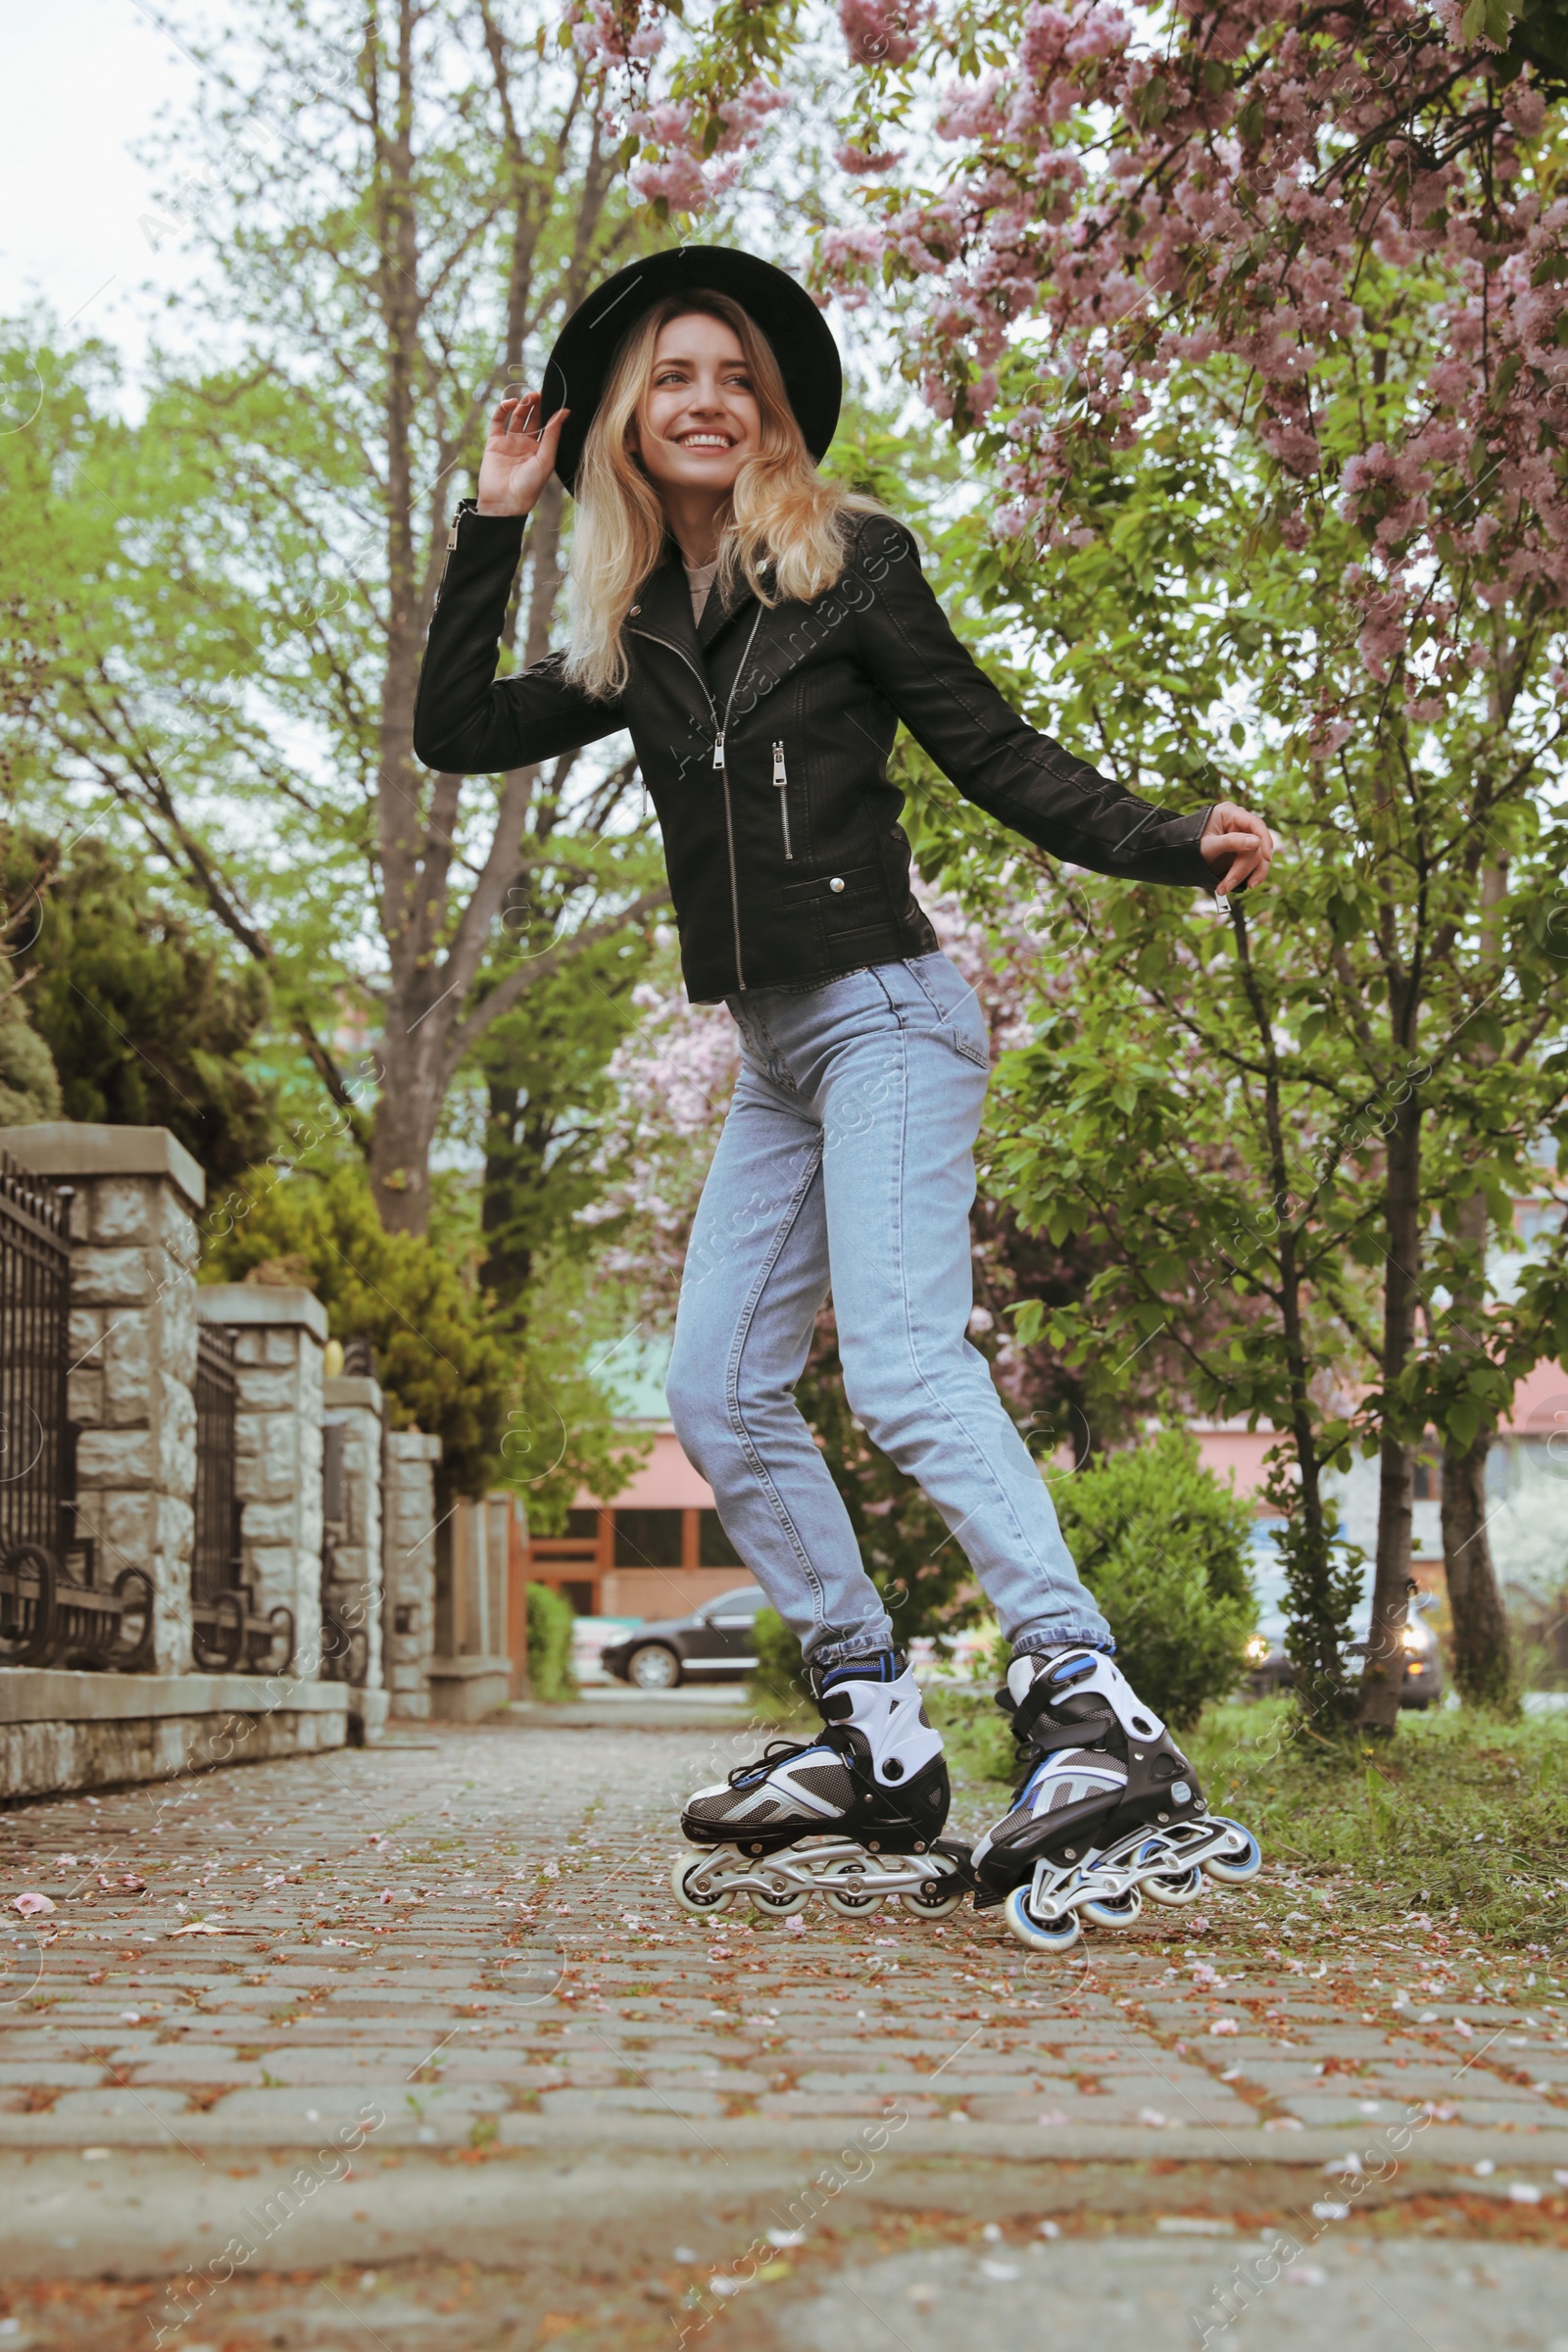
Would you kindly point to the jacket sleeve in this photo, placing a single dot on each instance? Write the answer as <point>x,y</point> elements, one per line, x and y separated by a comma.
<point>995,757</point>
<point>467,722</point>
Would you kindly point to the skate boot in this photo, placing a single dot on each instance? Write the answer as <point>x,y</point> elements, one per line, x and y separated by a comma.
<point>1107,1808</point>
<point>854,1815</point>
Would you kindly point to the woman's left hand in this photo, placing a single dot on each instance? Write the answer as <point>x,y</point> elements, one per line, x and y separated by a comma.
<point>1240,843</point>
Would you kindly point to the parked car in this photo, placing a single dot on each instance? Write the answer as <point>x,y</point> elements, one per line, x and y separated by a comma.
<point>712,1643</point>
<point>1268,1666</point>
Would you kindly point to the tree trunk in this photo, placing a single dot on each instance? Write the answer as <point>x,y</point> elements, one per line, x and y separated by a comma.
<point>1383,1674</point>
<point>1483,1661</point>
<point>507,1267</point>
<point>402,1132</point>
<point>1313,1637</point>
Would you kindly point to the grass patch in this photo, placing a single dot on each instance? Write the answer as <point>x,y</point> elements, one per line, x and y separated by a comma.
<point>1462,1820</point>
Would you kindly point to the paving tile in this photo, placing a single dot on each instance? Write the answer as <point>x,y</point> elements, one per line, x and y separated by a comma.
<point>118,2102</point>
<point>641,2102</point>
<point>811,2106</point>
<point>50,2074</point>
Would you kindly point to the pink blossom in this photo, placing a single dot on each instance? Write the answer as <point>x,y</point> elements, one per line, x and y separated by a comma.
<point>857,160</point>
<point>669,123</point>
<point>1328,737</point>
<point>679,181</point>
<point>747,112</point>
<point>1450,382</point>
<point>881,32</point>
<point>600,37</point>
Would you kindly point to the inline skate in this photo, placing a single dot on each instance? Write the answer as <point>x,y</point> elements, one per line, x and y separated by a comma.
<point>1107,1809</point>
<point>854,1815</point>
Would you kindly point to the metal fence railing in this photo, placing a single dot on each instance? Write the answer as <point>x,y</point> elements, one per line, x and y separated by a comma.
<point>228,1633</point>
<point>345,1636</point>
<point>58,1605</point>
<point>216,1556</point>
<point>34,1318</point>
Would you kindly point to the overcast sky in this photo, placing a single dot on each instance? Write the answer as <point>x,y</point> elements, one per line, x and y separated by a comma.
<point>80,80</point>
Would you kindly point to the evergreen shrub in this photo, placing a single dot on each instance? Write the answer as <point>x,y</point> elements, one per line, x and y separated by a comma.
<point>1164,1547</point>
<point>777,1686</point>
<point>550,1624</point>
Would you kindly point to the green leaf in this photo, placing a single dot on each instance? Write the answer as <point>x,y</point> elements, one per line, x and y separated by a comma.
<point>1463,1420</point>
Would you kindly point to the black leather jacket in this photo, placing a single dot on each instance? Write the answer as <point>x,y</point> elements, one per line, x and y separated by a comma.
<point>763,739</point>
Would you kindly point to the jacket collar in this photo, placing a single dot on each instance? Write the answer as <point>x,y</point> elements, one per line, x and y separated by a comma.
<point>664,607</point>
<point>716,613</point>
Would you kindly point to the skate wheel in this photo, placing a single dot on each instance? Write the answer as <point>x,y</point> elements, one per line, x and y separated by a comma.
<point>1115,1911</point>
<point>1175,1889</point>
<point>947,1897</point>
<point>849,1903</point>
<point>1240,1868</point>
<point>782,1903</point>
<point>682,1879</point>
<point>1041,1935</point>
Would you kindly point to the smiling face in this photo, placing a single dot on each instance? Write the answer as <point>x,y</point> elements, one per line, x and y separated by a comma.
<point>700,420</point>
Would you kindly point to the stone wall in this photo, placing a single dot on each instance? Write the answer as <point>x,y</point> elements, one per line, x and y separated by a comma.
<point>63,1729</point>
<point>409,1568</point>
<point>353,1541</point>
<point>279,1335</point>
<point>133,1352</point>
<point>134,1311</point>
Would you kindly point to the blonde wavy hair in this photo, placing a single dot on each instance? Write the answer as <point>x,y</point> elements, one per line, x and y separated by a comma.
<point>784,533</point>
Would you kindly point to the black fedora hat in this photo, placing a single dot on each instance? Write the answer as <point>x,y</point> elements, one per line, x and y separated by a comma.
<point>579,366</point>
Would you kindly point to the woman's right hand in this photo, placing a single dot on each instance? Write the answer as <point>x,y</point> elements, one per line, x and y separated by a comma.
<point>519,457</point>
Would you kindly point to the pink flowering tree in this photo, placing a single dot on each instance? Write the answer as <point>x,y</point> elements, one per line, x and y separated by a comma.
<point>692,107</point>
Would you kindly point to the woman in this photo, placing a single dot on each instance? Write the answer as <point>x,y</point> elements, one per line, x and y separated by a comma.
<point>760,633</point>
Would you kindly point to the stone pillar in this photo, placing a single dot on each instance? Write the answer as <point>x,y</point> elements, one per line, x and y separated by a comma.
<point>355,1406</point>
<point>279,1336</point>
<point>133,1352</point>
<point>409,1568</point>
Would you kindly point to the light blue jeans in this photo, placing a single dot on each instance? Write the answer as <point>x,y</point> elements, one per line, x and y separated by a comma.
<point>847,1164</point>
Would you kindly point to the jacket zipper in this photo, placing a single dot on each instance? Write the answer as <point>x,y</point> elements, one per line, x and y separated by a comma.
<point>782,782</point>
<point>452,541</point>
<point>720,730</point>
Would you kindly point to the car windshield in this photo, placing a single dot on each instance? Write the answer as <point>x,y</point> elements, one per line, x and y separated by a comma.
<point>744,1601</point>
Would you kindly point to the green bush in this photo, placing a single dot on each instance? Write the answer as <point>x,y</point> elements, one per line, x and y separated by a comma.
<point>444,1362</point>
<point>550,1624</point>
<point>1163,1547</point>
<point>777,1686</point>
<point>146,1021</point>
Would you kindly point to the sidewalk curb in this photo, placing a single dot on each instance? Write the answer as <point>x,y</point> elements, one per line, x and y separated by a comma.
<point>62,2218</point>
<point>579,2139</point>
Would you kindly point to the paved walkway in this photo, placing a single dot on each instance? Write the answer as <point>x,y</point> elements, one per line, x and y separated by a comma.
<point>441,1987</point>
